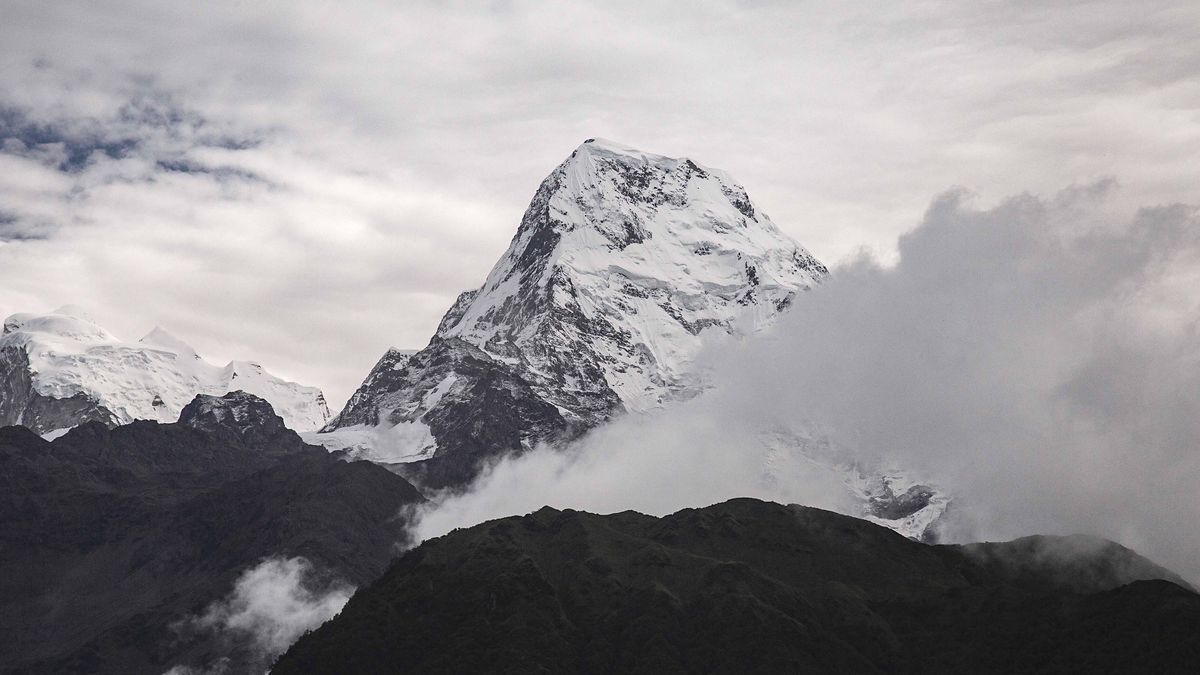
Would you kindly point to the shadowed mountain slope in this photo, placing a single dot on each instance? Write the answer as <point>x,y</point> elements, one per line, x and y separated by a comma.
<point>751,586</point>
<point>109,537</point>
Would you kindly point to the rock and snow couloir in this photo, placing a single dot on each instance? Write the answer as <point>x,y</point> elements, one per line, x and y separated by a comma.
<point>60,369</point>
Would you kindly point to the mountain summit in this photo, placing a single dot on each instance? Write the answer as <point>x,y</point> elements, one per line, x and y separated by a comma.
<point>624,264</point>
<point>623,261</point>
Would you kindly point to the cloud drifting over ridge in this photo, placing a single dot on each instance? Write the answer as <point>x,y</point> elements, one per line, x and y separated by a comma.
<point>1039,358</point>
<point>271,605</point>
<point>248,175</point>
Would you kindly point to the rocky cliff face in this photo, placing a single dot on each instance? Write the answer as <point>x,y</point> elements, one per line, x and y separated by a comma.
<point>438,414</point>
<point>22,403</point>
<point>387,376</point>
<point>61,369</point>
<point>624,265</point>
<point>243,415</point>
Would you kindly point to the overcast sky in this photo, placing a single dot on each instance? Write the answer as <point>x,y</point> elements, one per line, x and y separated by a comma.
<point>305,184</point>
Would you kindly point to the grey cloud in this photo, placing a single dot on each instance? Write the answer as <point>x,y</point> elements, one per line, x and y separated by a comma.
<point>137,141</point>
<point>1039,356</point>
<point>150,123</point>
<point>14,229</point>
<point>65,149</point>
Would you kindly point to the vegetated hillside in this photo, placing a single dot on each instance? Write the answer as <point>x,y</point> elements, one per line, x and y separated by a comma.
<point>750,586</point>
<point>108,537</point>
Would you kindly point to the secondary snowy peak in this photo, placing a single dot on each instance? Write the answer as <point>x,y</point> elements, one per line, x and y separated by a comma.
<point>623,261</point>
<point>62,326</point>
<point>60,369</point>
<point>362,408</point>
<point>161,338</point>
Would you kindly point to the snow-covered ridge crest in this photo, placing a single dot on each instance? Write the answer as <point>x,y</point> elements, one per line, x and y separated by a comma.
<point>623,261</point>
<point>63,355</point>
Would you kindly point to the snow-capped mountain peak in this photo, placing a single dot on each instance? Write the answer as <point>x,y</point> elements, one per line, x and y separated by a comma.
<point>624,265</point>
<point>626,257</point>
<point>60,369</point>
<point>59,328</point>
<point>158,337</point>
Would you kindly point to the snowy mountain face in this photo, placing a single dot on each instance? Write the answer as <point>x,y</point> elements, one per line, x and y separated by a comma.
<point>624,265</point>
<point>60,369</point>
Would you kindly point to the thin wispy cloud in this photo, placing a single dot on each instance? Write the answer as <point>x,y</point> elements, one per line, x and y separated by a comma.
<point>271,605</point>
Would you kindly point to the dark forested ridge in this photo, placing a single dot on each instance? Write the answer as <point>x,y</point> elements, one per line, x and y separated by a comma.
<point>750,586</point>
<point>110,536</point>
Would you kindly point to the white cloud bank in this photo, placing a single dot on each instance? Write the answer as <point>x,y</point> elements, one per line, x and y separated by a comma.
<point>1040,359</point>
<point>688,456</point>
